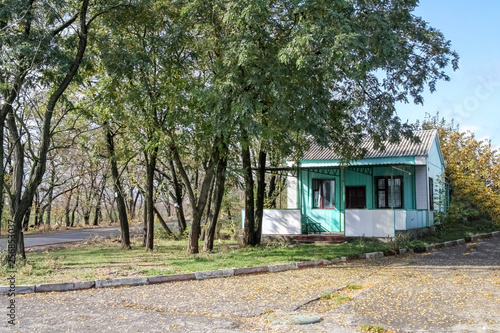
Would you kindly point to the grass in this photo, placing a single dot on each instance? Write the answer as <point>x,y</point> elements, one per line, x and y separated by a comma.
<point>104,258</point>
<point>326,295</point>
<point>329,301</point>
<point>461,230</point>
<point>373,328</point>
<point>353,287</point>
<point>336,298</point>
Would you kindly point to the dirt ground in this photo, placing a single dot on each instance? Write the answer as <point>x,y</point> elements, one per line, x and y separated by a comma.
<point>451,290</point>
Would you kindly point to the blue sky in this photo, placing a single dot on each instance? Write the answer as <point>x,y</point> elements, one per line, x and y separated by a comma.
<point>472,97</point>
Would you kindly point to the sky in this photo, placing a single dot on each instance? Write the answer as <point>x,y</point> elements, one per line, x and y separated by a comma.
<point>472,96</point>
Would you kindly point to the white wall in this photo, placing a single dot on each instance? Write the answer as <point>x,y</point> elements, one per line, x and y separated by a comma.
<point>279,222</point>
<point>369,223</point>
<point>291,192</point>
<point>422,186</point>
<point>436,172</point>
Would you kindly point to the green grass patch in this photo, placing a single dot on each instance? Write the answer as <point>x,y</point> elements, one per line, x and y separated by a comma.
<point>353,287</point>
<point>340,299</point>
<point>326,295</point>
<point>372,328</point>
<point>107,259</point>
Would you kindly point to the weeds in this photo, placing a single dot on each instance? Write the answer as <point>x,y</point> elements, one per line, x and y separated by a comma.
<point>326,295</point>
<point>353,287</point>
<point>373,328</point>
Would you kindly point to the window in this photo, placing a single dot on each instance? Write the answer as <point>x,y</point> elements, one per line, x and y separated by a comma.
<point>323,193</point>
<point>386,187</point>
<point>431,193</point>
<point>355,196</point>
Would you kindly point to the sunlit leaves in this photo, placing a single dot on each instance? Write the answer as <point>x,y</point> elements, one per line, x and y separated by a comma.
<point>471,165</point>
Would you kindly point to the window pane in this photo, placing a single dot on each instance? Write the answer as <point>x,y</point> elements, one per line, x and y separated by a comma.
<point>381,199</point>
<point>431,193</point>
<point>328,187</point>
<point>355,197</point>
<point>316,199</point>
<point>397,199</point>
<point>381,183</point>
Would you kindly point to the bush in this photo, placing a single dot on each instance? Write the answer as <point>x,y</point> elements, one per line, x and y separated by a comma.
<point>401,241</point>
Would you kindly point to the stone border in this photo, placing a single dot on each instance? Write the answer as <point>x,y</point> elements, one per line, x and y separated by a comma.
<point>145,280</point>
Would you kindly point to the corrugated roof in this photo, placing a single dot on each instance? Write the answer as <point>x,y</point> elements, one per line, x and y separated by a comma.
<point>404,147</point>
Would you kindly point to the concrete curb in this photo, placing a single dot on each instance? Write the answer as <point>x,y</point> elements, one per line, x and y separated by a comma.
<point>171,278</point>
<point>282,267</point>
<point>121,282</point>
<point>214,274</point>
<point>222,273</point>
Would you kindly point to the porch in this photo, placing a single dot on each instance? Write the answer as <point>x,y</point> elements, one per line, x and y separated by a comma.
<point>356,223</point>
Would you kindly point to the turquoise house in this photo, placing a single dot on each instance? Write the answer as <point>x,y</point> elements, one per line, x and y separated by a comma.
<point>398,189</point>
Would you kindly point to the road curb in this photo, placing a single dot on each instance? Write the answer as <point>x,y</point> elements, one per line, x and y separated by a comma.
<point>224,273</point>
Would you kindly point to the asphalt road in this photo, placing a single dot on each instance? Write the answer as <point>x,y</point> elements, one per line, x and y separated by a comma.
<point>51,238</point>
<point>451,290</point>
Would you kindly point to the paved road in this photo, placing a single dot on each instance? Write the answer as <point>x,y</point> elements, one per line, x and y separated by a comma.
<point>452,290</point>
<point>71,235</point>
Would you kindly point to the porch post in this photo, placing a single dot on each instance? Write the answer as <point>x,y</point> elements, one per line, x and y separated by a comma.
<point>392,187</point>
<point>414,187</point>
<point>342,189</point>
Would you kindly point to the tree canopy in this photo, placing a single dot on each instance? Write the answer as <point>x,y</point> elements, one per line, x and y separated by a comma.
<point>192,91</point>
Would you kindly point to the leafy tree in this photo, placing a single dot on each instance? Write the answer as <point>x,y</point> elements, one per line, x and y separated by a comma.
<point>287,72</point>
<point>43,45</point>
<point>471,165</point>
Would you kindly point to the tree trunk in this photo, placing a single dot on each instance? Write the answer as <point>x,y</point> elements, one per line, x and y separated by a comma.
<point>150,170</point>
<point>197,204</point>
<point>211,224</point>
<point>209,210</point>
<point>97,213</point>
<point>75,208</point>
<point>261,193</point>
<point>162,222</point>
<point>179,211</point>
<point>67,209</point>
<point>51,191</point>
<point>249,226</point>
<point>134,206</point>
<point>41,214</point>
<point>270,193</point>
<point>86,217</point>
<point>2,175</point>
<point>120,201</point>
<point>39,165</point>
<point>27,220</point>
<point>109,210</point>
<point>144,219</point>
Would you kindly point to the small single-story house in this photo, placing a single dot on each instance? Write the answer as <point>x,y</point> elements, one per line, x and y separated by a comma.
<point>399,188</point>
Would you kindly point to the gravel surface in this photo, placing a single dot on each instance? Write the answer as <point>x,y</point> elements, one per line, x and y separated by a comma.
<point>453,289</point>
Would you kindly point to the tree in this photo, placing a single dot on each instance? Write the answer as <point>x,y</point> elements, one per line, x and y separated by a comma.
<point>289,72</point>
<point>471,166</point>
<point>43,47</point>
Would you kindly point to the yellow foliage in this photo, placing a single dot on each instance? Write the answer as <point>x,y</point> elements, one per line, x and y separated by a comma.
<point>471,165</point>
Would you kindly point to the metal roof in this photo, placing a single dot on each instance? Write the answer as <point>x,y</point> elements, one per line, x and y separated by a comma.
<point>405,147</point>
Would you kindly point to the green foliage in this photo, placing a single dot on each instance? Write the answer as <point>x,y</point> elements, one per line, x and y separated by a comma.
<point>372,328</point>
<point>473,170</point>
<point>326,295</point>
<point>401,241</point>
<point>353,287</point>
